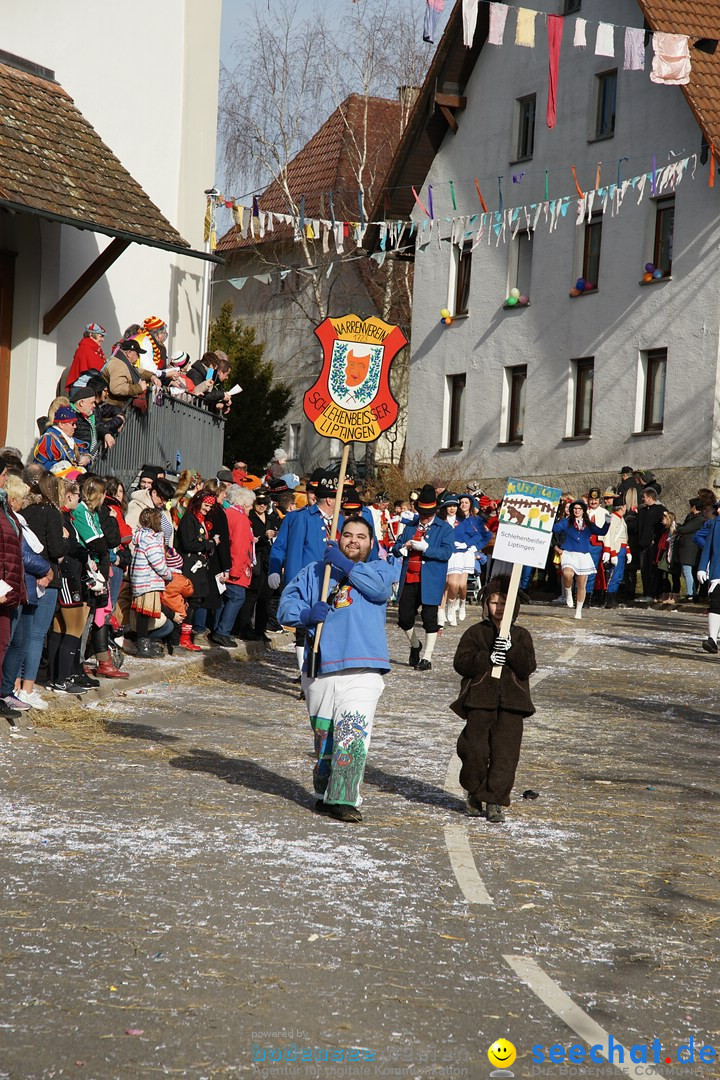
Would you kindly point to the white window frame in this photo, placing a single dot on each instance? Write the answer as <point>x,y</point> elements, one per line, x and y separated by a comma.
<point>519,102</point>
<point>508,373</point>
<point>455,252</point>
<point>595,136</point>
<point>573,397</point>
<point>294,432</point>
<point>514,262</point>
<point>642,389</point>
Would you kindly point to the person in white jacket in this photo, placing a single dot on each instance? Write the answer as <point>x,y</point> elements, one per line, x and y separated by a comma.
<point>616,551</point>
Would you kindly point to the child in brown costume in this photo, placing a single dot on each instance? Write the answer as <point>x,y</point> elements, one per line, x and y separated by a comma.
<point>493,709</point>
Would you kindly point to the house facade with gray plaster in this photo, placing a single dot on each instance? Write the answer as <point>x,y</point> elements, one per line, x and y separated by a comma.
<point>567,389</point>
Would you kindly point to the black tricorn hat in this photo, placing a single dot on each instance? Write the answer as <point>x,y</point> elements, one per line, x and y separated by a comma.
<point>350,500</point>
<point>427,499</point>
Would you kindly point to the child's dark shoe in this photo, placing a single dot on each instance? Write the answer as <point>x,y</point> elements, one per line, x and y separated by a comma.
<point>472,808</point>
<point>495,813</point>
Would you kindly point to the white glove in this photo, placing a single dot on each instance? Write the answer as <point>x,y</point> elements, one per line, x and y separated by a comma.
<point>628,558</point>
<point>498,655</point>
<point>419,545</point>
<point>404,552</point>
<point>702,577</point>
<point>613,560</point>
<point>460,547</point>
<point>274,581</point>
<point>606,557</point>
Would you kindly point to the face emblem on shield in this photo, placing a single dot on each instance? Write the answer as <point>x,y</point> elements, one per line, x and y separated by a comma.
<point>357,365</point>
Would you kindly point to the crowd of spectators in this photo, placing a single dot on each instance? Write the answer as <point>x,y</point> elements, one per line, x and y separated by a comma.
<point>90,572</point>
<point>88,415</point>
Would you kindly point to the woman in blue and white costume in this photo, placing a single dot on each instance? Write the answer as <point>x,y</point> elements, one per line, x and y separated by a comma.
<point>448,511</point>
<point>709,570</point>
<point>477,536</point>
<point>573,534</point>
<point>468,538</point>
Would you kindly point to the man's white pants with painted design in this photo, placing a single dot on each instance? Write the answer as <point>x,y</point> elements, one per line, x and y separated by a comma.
<point>342,709</point>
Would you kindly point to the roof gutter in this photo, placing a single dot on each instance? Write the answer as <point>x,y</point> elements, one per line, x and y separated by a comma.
<point>131,238</point>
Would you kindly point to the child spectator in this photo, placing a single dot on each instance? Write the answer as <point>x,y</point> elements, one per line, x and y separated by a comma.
<point>175,596</point>
<point>666,560</point>
<point>149,574</point>
<point>493,709</point>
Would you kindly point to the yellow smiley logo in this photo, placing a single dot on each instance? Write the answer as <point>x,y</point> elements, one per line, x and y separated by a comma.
<point>502,1054</point>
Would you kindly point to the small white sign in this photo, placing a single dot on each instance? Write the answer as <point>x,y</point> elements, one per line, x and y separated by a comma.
<point>527,517</point>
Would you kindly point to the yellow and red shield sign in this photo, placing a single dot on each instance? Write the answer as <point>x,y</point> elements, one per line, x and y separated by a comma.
<point>352,400</point>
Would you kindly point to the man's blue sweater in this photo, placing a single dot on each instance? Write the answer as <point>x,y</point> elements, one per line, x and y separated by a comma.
<point>354,634</point>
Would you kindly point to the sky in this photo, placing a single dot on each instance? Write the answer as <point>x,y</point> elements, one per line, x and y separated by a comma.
<point>235,12</point>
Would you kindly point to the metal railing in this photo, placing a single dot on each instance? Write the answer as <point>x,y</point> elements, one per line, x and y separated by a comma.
<point>174,434</point>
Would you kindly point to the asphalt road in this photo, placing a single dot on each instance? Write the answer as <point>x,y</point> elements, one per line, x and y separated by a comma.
<point>173,906</point>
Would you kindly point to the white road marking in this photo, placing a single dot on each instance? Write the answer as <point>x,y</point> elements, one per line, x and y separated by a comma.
<point>456,837</point>
<point>567,655</point>
<point>458,845</point>
<point>452,777</point>
<point>571,1014</point>
<point>463,864</point>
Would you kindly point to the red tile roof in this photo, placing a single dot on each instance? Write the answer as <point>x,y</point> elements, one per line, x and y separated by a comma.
<point>698,19</point>
<point>331,162</point>
<point>53,162</point>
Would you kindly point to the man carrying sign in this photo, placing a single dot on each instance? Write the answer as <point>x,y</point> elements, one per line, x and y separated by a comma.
<point>342,697</point>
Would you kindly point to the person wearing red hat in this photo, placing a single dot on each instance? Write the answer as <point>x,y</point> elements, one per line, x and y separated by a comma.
<point>241,476</point>
<point>56,451</point>
<point>89,358</point>
<point>153,337</point>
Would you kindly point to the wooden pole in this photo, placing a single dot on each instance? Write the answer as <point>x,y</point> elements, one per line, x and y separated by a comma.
<point>84,283</point>
<point>507,618</point>
<point>314,658</point>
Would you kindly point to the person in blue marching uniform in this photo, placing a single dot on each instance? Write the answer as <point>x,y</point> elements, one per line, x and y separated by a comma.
<point>709,571</point>
<point>302,539</point>
<point>576,534</point>
<point>426,545</point>
<point>616,551</point>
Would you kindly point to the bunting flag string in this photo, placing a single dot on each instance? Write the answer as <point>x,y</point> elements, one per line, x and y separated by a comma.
<point>671,61</point>
<point>497,224</point>
<point>577,185</point>
<point>255,224</point>
<point>420,203</point>
<point>525,29</point>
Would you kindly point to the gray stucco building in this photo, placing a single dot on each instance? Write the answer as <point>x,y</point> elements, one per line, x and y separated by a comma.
<point>567,388</point>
